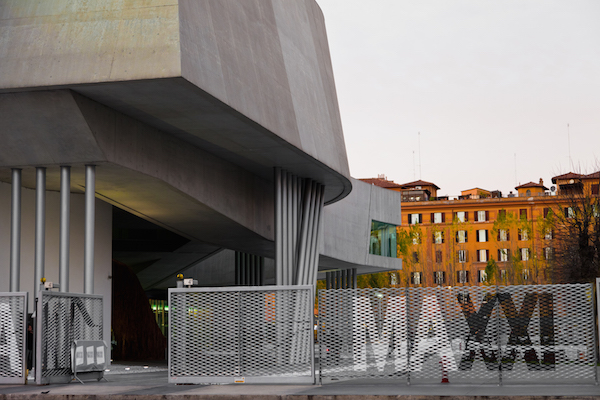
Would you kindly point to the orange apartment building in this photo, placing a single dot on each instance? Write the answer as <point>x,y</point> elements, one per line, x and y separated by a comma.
<point>451,242</point>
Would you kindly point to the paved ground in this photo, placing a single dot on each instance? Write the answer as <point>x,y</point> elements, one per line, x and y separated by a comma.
<point>149,381</point>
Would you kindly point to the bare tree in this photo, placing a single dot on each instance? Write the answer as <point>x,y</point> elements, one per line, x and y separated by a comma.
<point>576,227</point>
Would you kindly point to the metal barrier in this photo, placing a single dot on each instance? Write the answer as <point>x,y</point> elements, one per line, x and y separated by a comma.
<point>13,331</point>
<point>258,334</point>
<point>61,319</point>
<point>500,335</point>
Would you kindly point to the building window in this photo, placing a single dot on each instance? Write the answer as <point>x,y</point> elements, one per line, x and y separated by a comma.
<point>547,211</point>
<point>438,237</point>
<point>415,219</point>
<point>416,238</point>
<point>569,212</point>
<point>393,279</point>
<point>525,274</point>
<point>383,239</point>
<point>462,256</point>
<point>523,213</point>
<point>481,276</point>
<point>462,237</point>
<point>415,257</point>
<point>482,235</point>
<point>482,216</point>
<point>595,188</point>
<point>503,255</point>
<point>502,214</point>
<point>548,253</point>
<point>462,276</point>
<point>548,234</point>
<point>483,255</point>
<point>415,278</point>
<point>438,218</point>
<point>523,234</point>
<point>439,277</point>
<point>503,235</point>
<point>438,256</point>
<point>462,216</point>
<point>524,254</point>
<point>503,275</point>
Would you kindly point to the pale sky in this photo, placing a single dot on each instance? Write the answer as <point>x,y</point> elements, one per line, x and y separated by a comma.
<point>490,85</point>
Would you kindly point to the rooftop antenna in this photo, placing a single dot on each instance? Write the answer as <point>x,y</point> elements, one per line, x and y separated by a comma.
<point>516,169</point>
<point>569,141</point>
<point>420,177</point>
<point>414,171</point>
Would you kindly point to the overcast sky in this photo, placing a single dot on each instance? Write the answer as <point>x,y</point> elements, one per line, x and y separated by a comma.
<point>490,85</point>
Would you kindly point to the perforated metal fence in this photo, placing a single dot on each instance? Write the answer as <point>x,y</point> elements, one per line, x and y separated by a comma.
<point>13,330</point>
<point>497,335</point>
<point>61,319</point>
<point>241,334</point>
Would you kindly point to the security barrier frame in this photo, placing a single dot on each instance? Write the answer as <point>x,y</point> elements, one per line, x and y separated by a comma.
<point>261,334</point>
<point>468,335</point>
<point>56,333</point>
<point>13,337</point>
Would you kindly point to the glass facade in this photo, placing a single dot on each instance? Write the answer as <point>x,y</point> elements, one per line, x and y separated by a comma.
<point>383,239</point>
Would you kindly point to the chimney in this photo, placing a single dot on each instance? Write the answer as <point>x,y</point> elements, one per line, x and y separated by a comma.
<point>541,181</point>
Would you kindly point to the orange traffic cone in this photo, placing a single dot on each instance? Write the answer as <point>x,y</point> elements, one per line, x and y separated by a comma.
<point>444,373</point>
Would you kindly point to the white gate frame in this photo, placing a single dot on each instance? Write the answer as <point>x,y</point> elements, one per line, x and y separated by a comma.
<point>41,340</point>
<point>302,339</point>
<point>12,333</point>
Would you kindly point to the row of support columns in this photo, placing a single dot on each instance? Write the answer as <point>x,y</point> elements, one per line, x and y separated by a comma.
<point>249,269</point>
<point>40,228</point>
<point>341,279</point>
<point>298,210</point>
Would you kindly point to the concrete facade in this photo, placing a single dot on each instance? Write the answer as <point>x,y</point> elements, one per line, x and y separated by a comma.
<point>186,107</point>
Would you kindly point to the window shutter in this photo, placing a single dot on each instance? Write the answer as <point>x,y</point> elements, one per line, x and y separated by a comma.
<point>520,236</point>
<point>442,236</point>
<point>466,237</point>
<point>420,218</point>
<point>454,215</point>
<point>487,254</point>
<point>486,235</point>
<point>498,238</point>
<point>433,238</point>
<point>487,215</point>
<point>456,237</point>
<point>466,216</point>
<point>478,256</point>
<point>508,235</point>
<point>499,254</point>
<point>432,218</point>
<point>443,217</point>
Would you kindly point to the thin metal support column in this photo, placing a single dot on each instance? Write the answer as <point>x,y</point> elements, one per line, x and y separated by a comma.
<point>319,203</point>
<point>65,209</point>
<point>90,214</point>
<point>15,231</point>
<point>278,229</point>
<point>40,224</point>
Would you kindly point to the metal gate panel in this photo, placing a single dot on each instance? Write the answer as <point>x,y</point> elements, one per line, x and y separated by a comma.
<point>61,319</point>
<point>453,335</point>
<point>13,331</point>
<point>480,335</point>
<point>241,334</point>
<point>548,334</point>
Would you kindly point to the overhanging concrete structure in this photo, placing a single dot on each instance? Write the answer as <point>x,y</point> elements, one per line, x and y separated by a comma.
<point>185,107</point>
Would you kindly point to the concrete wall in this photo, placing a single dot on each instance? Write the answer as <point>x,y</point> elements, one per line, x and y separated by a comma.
<point>102,253</point>
<point>58,42</point>
<point>347,228</point>
<point>270,61</point>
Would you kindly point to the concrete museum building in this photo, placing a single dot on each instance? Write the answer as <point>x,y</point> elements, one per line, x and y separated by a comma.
<point>176,136</point>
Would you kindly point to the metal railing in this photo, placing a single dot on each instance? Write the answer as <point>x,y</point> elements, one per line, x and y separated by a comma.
<point>258,334</point>
<point>61,319</point>
<point>13,339</point>
<point>500,335</point>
